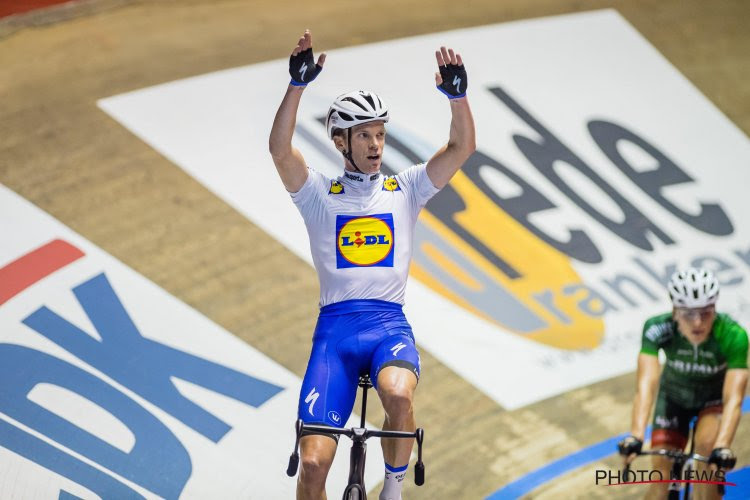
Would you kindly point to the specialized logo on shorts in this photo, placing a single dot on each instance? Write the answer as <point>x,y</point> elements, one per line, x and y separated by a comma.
<point>335,417</point>
<point>391,184</point>
<point>396,348</point>
<point>312,398</point>
<point>336,188</point>
<point>364,241</point>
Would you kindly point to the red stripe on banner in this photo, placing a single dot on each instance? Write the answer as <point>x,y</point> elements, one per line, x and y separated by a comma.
<point>34,266</point>
<point>10,7</point>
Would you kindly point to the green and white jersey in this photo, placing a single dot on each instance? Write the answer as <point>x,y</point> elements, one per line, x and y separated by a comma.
<point>694,375</point>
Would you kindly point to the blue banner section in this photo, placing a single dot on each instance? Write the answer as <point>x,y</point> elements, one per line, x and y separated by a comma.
<point>38,451</point>
<point>158,461</point>
<point>145,366</point>
<point>64,495</point>
<point>592,453</point>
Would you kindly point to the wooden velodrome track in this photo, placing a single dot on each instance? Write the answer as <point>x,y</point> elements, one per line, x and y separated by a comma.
<point>58,150</point>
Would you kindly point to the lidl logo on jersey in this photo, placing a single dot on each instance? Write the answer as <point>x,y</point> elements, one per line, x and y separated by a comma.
<point>364,241</point>
<point>336,188</point>
<point>391,184</point>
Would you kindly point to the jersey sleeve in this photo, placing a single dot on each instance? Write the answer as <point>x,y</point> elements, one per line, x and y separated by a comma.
<point>648,346</point>
<point>655,331</point>
<point>311,191</point>
<point>734,345</point>
<point>420,187</point>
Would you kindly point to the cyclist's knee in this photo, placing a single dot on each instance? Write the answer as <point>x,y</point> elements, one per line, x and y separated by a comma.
<point>314,468</point>
<point>317,454</point>
<point>397,400</point>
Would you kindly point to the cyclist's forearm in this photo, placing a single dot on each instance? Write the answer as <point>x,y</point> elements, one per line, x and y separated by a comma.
<point>280,139</point>
<point>646,387</point>
<point>730,419</point>
<point>642,403</point>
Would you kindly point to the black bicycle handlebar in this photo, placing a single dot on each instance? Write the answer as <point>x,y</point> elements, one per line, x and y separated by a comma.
<point>352,431</point>
<point>357,434</point>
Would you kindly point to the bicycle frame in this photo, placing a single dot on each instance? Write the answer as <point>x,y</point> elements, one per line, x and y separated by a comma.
<point>359,436</point>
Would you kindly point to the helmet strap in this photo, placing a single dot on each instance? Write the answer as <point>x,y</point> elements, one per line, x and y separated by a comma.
<point>348,153</point>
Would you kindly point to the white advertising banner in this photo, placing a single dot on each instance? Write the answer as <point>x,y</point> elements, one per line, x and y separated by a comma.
<point>599,170</point>
<point>112,388</point>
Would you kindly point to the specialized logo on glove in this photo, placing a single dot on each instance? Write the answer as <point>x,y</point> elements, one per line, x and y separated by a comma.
<point>302,68</point>
<point>454,80</point>
<point>364,241</point>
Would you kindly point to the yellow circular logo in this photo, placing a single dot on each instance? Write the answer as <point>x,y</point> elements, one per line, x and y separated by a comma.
<point>336,187</point>
<point>365,241</point>
<point>390,184</point>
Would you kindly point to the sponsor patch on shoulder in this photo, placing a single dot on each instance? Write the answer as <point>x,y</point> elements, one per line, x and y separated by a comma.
<point>336,188</point>
<point>391,184</point>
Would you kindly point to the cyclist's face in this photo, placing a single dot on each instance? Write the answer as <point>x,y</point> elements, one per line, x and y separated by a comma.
<point>695,323</point>
<point>368,141</point>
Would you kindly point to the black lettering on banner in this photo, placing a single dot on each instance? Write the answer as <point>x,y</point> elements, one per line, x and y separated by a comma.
<point>549,150</point>
<point>711,219</point>
<point>717,266</point>
<point>579,246</point>
<point>445,205</point>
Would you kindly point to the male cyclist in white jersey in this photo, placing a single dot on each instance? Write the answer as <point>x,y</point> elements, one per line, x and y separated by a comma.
<point>361,230</point>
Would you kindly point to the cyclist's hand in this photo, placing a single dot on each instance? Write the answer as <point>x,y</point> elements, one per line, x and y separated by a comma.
<point>302,67</point>
<point>723,458</point>
<point>451,80</point>
<point>629,447</point>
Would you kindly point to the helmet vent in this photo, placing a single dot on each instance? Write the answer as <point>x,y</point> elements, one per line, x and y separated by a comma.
<point>369,99</point>
<point>354,101</point>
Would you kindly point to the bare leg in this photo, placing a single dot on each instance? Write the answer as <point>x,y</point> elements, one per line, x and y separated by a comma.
<point>705,435</point>
<point>317,456</point>
<point>396,390</point>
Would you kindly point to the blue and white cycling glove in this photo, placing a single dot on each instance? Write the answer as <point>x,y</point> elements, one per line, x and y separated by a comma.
<point>302,68</point>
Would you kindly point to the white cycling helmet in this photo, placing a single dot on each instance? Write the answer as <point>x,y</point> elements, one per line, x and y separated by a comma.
<point>355,108</point>
<point>693,288</point>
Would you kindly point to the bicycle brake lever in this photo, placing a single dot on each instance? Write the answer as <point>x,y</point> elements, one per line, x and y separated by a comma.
<point>291,469</point>
<point>419,474</point>
<point>419,466</point>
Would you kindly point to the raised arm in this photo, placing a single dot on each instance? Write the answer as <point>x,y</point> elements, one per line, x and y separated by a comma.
<point>451,80</point>
<point>288,160</point>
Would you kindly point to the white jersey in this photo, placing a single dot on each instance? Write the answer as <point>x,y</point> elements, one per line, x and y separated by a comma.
<point>361,229</point>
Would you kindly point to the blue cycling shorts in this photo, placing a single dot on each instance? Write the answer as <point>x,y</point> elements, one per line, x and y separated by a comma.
<point>352,338</point>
